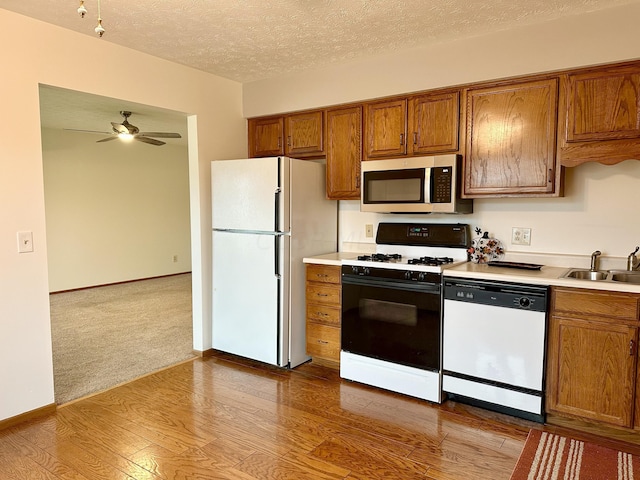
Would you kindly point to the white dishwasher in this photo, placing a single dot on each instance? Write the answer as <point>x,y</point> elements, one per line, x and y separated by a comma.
<point>494,337</point>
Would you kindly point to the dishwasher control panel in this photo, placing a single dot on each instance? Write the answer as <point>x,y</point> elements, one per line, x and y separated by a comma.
<point>499,294</point>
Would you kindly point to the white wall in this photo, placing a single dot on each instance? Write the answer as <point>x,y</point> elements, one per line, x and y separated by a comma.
<point>600,206</point>
<point>114,211</point>
<point>40,53</point>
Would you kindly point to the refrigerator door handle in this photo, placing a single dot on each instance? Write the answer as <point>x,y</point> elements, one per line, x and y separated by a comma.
<point>276,256</point>
<point>276,216</point>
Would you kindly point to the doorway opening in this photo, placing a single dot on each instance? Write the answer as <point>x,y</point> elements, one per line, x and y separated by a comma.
<point>118,241</point>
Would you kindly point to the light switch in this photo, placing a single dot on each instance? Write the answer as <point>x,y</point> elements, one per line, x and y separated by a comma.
<point>25,242</point>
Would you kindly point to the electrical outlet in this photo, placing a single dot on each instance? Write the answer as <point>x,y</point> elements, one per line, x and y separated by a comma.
<point>368,230</point>
<point>520,236</point>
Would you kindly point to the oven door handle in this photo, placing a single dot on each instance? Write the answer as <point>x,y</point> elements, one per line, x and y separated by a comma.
<point>393,284</point>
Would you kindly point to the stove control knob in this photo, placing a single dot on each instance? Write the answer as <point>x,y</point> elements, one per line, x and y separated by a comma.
<point>366,271</point>
<point>407,275</point>
<point>421,276</point>
<point>354,269</point>
<point>525,302</point>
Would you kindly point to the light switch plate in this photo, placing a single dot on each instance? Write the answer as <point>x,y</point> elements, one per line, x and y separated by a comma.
<point>25,242</point>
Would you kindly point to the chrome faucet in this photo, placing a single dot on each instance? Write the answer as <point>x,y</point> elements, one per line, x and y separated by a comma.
<point>632,260</point>
<point>594,260</point>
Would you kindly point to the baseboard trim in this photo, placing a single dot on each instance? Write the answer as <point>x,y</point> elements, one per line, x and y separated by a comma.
<point>30,415</point>
<point>210,352</point>
<point>119,283</point>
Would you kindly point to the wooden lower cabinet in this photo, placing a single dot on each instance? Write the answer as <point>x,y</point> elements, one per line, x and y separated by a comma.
<point>592,355</point>
<point>323,295</point>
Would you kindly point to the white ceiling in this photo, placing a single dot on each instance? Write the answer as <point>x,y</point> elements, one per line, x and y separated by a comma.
<point>256,39</point>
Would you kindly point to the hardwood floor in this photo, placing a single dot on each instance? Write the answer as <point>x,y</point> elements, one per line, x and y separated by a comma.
<point>226,418</point>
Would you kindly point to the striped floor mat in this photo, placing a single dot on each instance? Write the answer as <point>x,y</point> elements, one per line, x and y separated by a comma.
<point>549,457</point>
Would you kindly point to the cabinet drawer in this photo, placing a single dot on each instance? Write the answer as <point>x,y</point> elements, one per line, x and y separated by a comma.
<point>324,314</point>
<point>324,294</point>
<point>596,302</point>
<point>323,341</point>
<point>323,273</point>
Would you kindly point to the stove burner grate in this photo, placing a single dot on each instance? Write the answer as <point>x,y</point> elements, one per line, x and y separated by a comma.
<point>432,261</point>
<point>380,257</point>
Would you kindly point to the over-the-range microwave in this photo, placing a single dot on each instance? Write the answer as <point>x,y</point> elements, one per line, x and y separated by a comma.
<point>413,185</point>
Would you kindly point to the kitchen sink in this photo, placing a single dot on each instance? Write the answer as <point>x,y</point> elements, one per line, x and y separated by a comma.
<point>625,276</point>
<point>585,274</point>
<point>622,276</point>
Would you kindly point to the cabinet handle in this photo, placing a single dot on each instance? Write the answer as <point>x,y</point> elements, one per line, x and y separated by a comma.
<point>322,314</point>
<point>357,181</point>
<point>323,342</point>
<point>322,295</point>
<point>321,275</point>
<point>632,348</point>
<point>550,175</point>
<point>415,138</point>
<point>289,140</point>
<point>401,139</point>
<point>279,142</point>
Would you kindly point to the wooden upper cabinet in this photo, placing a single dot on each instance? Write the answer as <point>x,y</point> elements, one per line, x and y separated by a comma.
<point>602,113</point>
<point>344,153</point>
<point>265,137</point>
<point>305,134</point>
<point>434,123</point>
<point>511,140</point>
<point>298,135</point>
<point>386,129</point>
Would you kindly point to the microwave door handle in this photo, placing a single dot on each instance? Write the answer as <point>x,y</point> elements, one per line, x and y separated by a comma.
<point>427,185</point>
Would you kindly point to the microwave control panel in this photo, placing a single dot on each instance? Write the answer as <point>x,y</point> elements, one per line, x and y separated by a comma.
<point>441,178</point>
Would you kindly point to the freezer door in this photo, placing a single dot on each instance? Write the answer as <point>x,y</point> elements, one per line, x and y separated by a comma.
<point>248,296</point>
<point>248,194</point>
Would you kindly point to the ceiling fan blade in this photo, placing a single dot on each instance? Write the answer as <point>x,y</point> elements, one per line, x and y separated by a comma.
<point>108,139</point>
<point>161,134</point>
<point>86,131</point>
<point>150,141</point>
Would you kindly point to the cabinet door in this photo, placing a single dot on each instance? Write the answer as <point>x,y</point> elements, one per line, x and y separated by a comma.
<point>386,129</point>
<point>511,140</point>
<point>304,134</point>
<point>434,123</point>
<point>592,369</point>
<point>344,153</point>
<point>604,104</point>
<point>265,137</point>
<point>601,108</point>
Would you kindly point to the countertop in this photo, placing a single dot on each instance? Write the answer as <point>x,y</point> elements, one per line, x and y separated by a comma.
<point>547,275</point>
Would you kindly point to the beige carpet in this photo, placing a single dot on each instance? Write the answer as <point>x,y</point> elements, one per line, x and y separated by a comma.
<point>108,335</point>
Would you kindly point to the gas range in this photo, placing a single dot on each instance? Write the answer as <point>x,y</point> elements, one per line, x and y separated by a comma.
<point>415,247</point>
<point>392,307</point>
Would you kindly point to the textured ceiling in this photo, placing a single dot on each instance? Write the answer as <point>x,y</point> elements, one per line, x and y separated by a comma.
<point>256,39</point>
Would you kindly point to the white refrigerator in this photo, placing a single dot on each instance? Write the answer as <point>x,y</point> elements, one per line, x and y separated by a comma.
<point>268,213</point>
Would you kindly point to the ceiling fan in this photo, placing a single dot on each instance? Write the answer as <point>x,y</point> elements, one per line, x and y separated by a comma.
<point>127,131</point>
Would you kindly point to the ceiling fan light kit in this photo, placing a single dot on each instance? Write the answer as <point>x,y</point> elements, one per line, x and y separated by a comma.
<point>82,11</point>
<point>128,132</point>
